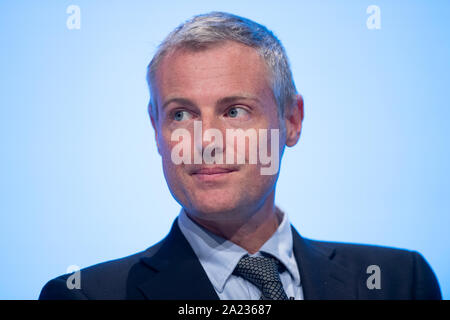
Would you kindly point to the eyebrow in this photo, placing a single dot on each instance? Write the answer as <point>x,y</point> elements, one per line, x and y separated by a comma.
<point>178,100</point>
<point>224,100</point>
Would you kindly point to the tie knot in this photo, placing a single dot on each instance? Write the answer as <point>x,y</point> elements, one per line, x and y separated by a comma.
<point>258,270</point>
<point>263,273</point>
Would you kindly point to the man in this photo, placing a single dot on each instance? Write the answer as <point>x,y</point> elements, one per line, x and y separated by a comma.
<point>220,85</point>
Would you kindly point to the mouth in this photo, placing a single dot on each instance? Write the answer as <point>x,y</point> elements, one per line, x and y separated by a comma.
<point>210,174</point>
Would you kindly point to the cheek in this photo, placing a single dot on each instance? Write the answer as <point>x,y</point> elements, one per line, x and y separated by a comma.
<point>179,142</point>
<point>165,142</point>
<point>173,172</point>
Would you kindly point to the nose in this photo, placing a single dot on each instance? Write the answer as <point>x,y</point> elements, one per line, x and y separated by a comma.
<point>209,135</point>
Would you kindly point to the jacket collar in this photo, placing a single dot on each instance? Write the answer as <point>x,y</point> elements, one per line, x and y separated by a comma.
<point>175,273</point>
<point>322,277</point>
<point>178,274</point>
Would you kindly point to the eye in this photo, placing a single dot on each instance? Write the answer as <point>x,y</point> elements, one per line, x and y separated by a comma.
<point>236,112</point>
<point>181,115</point>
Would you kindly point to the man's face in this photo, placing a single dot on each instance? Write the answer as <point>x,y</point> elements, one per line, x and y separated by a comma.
<point>224,87</point>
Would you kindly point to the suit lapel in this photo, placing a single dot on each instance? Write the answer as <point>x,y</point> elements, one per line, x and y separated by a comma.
<point>174,272</point>
<point>322,278</point>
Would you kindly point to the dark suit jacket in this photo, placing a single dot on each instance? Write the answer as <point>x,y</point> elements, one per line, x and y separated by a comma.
<point>170,270</point>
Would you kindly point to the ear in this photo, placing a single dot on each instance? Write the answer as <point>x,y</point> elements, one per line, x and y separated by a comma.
<point>155,127</point>
<point>293,121</point>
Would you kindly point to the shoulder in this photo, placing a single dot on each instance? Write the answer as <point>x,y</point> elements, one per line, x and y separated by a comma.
<point>104,281</point>
<point>355,252</point>
<point>399,269</point>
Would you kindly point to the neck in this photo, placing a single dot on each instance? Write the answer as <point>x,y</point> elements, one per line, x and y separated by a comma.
<point>250,232</point>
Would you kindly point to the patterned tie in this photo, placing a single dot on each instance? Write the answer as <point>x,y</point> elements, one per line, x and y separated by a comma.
<point>263,273</point>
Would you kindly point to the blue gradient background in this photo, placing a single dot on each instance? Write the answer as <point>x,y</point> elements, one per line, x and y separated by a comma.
<point>81,180</point>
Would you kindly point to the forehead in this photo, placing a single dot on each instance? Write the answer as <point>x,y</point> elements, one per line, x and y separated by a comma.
<point>214,72</point>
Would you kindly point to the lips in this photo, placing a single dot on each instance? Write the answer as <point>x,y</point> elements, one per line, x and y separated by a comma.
<point>211,173</point>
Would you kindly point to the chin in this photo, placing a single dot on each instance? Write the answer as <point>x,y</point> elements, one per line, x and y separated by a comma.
<point>213,206</point>
<point>209,207</point>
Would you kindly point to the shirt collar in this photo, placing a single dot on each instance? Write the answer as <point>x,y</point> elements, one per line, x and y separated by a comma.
<point>219,256</point>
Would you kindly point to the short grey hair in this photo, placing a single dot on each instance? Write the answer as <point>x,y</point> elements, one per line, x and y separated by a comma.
<point>205,30</point>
